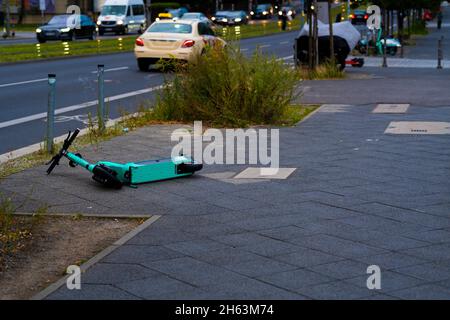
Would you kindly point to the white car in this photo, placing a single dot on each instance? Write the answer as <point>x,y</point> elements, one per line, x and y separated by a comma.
<point>182,40</point>
<point>122,16</point>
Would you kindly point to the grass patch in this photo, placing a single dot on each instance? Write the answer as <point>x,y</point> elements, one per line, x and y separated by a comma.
<point>23,52</point>
<point>15,230</point>
<point>419,28</point>
<point>325,71</point>
<point>227,89</point>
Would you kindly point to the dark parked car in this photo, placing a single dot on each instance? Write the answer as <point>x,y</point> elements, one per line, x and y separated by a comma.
<point>59,28</point>
<point>359,17</point>
<point>228,18</point>
<point>262,11</point>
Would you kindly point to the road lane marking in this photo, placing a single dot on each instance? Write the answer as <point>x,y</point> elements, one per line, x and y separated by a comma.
<point>265,46</point>
<point>284,42</point>
<point>84,105</point>
<point>22,82</point>
<point>113,69</point>
<point>45,79</point>
<point>285,58</point>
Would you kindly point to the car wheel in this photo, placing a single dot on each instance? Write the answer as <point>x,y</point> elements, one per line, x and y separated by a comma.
<point>72,37</point>
<point>143,64</point>
<point>125,30</point>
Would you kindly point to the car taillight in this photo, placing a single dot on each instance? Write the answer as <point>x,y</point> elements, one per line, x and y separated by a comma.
<point>366,17</point>
<point>140,42</point>
<point>352,16</point>
<point>188,44</point>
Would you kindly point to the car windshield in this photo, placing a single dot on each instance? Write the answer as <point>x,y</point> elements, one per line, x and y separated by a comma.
<point>235,14</point>
<point>192,16</point>
<point>221,13</point>
<point>170,28</point>
<point>114,10</point>
<point>262,7</point>
<point>58,20</point>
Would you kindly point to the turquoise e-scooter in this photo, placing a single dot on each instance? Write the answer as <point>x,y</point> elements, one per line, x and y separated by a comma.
<point>115,175</point>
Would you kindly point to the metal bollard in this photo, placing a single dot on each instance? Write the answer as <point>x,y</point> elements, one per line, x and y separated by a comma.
<point>440,53</point>
<point>101,97</point>
<point>51,112</point>
<point>384,54</point>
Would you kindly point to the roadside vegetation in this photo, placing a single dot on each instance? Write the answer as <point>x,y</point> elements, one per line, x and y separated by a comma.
<point>324,71</point>
<point>226,88</point>
<point>36,51</point>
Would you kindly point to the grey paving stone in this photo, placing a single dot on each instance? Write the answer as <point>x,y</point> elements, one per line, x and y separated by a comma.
<point>342,269</point>
<point>194,272</point>
<point>252,289</point>
<point>160,287</point>
<point>423,292</point>
<point>134,254</point>
<point>394,242</point>
<point>92,292</point>
<point>339,290</point>
<point>285,233</point>
<point>429,271</point>
<point>114,273</point>
<point>391,260</point>
<point>162,237</point>
<point>436,253</point>
<point>227,256</point>
<point>240,239</point>
<point>270,247</point>
<point>390,281</point>
<point>337,246</point>
<point>296,280</point>
<point>195,247</point>
<point>431,236</point>
<point>307,258</point>
<point>259,266</point>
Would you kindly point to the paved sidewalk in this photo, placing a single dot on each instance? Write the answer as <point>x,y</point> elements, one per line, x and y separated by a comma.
<point>358,198</point>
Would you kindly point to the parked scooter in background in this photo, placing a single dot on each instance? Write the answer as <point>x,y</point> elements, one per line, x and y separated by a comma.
<point>392,44</point>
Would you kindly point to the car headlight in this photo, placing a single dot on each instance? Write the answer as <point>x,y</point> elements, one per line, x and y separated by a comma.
<point>120,22</point>
<point>65,29</point>
<point>238,20</point>
<point>38,30</point>
<point>252,13</point>
<point>265,12</point>
<point>213,18</point>
<point>157,19</point>
<point>99,22</point>
<point>280,13</point>
<point>290,13</point>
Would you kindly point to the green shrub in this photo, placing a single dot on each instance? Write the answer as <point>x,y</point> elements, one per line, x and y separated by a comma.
<point>225,88</point>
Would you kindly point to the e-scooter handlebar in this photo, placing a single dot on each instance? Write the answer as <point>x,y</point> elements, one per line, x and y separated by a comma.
<point>67,143</point>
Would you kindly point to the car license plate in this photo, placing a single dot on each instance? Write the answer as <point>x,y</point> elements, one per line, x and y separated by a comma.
<point>108,29</point>
<point>51,33</point>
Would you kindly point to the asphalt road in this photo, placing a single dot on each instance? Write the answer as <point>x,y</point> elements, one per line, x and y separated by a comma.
<point>24,90</point>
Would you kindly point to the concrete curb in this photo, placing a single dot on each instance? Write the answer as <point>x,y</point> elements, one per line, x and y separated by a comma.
<point>85,266</point>
<point>89,215</point>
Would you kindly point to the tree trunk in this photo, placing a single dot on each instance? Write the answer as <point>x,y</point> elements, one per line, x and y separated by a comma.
<point>330,21</point>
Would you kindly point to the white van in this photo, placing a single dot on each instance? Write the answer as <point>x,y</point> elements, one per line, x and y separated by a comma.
<point>122,16</point>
